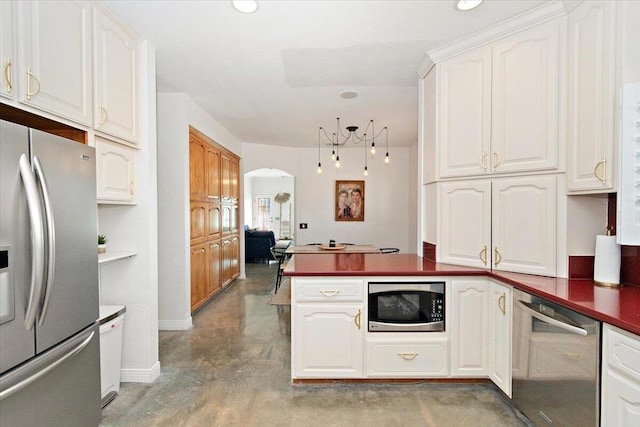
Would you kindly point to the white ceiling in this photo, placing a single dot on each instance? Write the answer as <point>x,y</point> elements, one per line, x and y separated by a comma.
<point>274,77</point>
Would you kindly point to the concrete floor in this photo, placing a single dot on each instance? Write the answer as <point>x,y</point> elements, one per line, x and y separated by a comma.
<point>233,369</point>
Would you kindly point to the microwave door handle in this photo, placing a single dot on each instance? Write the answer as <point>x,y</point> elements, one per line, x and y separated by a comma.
<point>555,322</point>
<point>37,240</point>
<point>51,237</point>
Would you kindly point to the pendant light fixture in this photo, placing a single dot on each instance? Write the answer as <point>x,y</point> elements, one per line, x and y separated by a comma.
<point>341,138</point>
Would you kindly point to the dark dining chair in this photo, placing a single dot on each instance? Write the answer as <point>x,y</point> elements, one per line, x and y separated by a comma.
<point>281,256</point>
<point>389,250</point>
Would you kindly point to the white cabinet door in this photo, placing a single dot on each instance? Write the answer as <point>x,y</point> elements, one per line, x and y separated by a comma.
<point>500,336</point>
<point>620,393</point>
<point>524,107</point>
<point>7,49</point>
<point>115,172</point>
<point>55,68</point>
<point>328,341</point>
<point>464,114</point>
<point>464,223</point>
<point>524,225</point>
<point>628,215</point>
<point>468,327</point>
<point>116,78</point>
<point>591,126</point>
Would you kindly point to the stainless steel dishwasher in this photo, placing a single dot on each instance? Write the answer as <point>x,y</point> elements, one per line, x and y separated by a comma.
<point>555,363</point>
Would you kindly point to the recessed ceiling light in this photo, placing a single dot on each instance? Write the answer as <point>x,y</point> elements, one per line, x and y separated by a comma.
<point>349,94</point>
<point>245,6</point>
<point>467,4</point>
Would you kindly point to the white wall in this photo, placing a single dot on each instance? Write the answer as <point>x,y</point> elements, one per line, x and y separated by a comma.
<point>390,217</point>
<point>272,186</point>
<point>176,112</point>
<point>133,282</point>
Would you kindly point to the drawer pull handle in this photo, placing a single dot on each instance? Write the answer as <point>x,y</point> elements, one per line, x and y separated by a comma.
<point>357,319</point>
<point>497,255</point>
<point>603,177</point>
<point>496,160</point>
<point>329,293</point>
<point>483,161</point>
<point>32,77</point>
<point>483,255</point>
<point>501,304</point>
<point>408,356</point>
<point>7,75</point>
<point>102,113</point>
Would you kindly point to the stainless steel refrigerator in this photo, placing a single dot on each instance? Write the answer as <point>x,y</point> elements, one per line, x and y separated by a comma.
<point>49,337</point>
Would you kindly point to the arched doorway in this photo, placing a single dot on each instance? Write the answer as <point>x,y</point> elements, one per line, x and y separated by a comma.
<point>270,202</point>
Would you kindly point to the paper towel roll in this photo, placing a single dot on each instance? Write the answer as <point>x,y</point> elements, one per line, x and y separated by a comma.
<point>606,269</point>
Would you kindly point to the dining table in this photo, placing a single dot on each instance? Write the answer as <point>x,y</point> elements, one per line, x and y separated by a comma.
<point>339,248</point>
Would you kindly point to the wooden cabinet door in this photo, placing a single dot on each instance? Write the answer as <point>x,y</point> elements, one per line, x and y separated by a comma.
<point>524,225</point>
<point>227,256</point>
<point>235,179</point>
<point>235,256</point>
<point>215,274</point>
<point>469,326</point>
<point>199,275</point>
<point>226,176</point>
<point>464,223</point>
<point>198,223</point>
<point>500,335</point>
<point>463,130</point>
<point>197,165</point>
<point>328,341</point>
<point>591,125</point>
<point>213,220</point>
<point>7,50</point>
<point>115,172</point>
<point>212,173</point>
<point>524,107</point>
<point>116,78</point>
<point>55,66</point>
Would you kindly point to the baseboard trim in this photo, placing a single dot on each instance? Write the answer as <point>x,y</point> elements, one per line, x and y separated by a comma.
<point>175,325</point>
<point>140,375</point>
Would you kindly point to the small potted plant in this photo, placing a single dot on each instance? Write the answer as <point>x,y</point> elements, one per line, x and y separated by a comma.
<point>102,243</point>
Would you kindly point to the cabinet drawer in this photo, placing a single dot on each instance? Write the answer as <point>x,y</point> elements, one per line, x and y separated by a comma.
<point>623,352</point>
<point>575,358</point>
<point>328,290</point>
<point>408,359</point>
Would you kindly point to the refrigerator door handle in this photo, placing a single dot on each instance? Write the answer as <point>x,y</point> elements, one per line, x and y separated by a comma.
<point>37,241</point>
<point>9,389</point>
<point>51,238</point>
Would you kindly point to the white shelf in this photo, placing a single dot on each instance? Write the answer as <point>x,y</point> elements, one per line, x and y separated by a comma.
<point>113,256</point>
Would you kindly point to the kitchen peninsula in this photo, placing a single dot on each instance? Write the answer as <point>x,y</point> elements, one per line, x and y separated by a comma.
<point>330,337</point>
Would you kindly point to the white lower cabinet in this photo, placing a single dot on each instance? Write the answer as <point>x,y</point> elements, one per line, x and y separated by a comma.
<point>396,357</point>
<point>620,395</point>
<point>501,318</point>
<point>327,332</point>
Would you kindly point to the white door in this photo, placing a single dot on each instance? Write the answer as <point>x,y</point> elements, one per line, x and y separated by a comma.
<point>263,211</point>
<point>524,225</point>
<point>500,331</point>
<point>524,107</point>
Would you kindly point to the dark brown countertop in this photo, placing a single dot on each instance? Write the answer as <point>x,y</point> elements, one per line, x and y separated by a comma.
<point>618,306</point>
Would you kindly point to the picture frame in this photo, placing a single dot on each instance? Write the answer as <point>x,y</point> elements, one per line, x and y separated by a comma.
<point>349,201</point>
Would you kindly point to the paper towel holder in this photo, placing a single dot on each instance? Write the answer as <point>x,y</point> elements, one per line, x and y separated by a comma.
<point>603,283</point>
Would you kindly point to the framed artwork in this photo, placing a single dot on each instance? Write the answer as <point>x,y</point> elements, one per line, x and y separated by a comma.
<point>349,201</point>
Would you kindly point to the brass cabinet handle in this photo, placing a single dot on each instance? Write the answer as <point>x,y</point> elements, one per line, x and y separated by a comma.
<point>497,256</point>
<point>103,113</point>
<point>357,318</point>
<point>603,177</point>
<point>483,160</point>
<point>501,304</point>
<point>7,75</point>
<point>496,160</point>
<point>31,76</point>
<point>408,356</point>
<point>483,255</point>
<point>329,293</point>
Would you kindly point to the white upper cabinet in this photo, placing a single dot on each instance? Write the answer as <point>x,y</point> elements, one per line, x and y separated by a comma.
<point>464,126</point>
<point>591,97</point>
<point>116,79</point>
<point>7,50</point>
<point>115,172</point>
<point>524,107</point>
<point>55,69</point>
<point>504,224</point>
<point>498,106</point>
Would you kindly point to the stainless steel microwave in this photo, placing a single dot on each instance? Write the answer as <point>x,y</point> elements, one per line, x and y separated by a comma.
<point>406,306</point>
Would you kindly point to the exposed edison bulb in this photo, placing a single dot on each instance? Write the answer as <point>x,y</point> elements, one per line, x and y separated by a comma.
<point>366,172</point>
<point>319,168</point>
<point>386,159</point>
<point>373,148</point>
<point>338,161</point>
<point>333,155</point>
